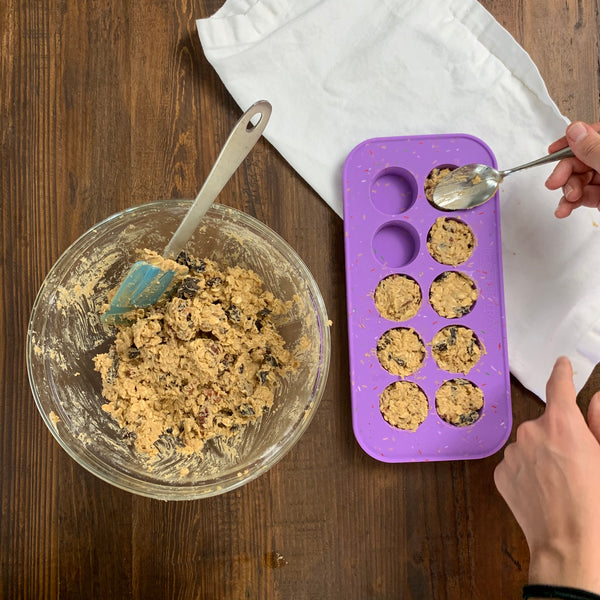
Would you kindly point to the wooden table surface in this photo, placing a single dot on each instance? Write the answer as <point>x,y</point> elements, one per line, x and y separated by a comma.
<point>106,105</point>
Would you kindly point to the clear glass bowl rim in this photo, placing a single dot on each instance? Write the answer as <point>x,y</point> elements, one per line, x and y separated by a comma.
<point>173,491</point>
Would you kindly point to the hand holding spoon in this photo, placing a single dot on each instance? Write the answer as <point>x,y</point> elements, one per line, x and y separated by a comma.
<point>472,185</point>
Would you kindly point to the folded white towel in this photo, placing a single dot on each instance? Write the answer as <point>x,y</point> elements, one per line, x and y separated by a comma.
<point>340,71</point>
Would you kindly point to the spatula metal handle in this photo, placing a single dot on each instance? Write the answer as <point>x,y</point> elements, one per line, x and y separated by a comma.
<point>241,140</point>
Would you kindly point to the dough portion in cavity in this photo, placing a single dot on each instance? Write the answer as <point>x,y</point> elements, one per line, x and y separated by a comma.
<point>450,241</point>
<point>401,351</point>
<point>453,294</point>
<point>398,297</point>
<point>433,179</point>
<point>203,362</point>
<point>456,349</point>
<point>459,402</point>
<point>404,405</point>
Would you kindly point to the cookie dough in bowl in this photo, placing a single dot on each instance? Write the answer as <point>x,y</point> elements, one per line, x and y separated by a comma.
<point>202,363</point>
<point>65,335</point>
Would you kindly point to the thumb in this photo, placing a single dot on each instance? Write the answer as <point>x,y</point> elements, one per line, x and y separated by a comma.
<point>594,415</point>
<point>585,143</point>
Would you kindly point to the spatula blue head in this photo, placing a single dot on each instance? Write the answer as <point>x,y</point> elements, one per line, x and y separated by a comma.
<point>145,283</point>
<point>143,286</point>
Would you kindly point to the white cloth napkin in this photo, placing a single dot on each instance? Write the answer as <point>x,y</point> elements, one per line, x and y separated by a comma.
<point>340,71</point>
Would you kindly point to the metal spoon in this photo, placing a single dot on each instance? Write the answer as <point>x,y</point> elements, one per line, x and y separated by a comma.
<point>472,185</point>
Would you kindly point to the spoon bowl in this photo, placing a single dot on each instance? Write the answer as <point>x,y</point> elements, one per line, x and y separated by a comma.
<point>472,185</point>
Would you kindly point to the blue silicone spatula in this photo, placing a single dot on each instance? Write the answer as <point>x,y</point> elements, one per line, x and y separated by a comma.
<point>145,283</point>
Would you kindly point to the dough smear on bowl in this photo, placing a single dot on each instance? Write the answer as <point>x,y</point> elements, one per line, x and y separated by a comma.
<point>203,362</point>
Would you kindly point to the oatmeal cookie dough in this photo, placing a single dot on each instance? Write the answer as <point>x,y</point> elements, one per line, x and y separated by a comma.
<point>459,402</point>
<point>433,179</point>
<point>203,362</point>
<point>401,351</point>
<point>398,297</point>
<point>166,264</point>
<point>456,349</point>
<point>404,405</point>
<point>453,294</point>
<point>450,241</point>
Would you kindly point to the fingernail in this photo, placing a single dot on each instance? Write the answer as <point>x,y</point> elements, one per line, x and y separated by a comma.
<point>576,131</point>
<point>567,189</point>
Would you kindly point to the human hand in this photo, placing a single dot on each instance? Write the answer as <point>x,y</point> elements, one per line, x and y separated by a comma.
<point>550,479</point>
<point>578,177</point>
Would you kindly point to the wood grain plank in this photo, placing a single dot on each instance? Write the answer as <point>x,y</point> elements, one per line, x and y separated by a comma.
<point>106,105</point>
<point>28,541</point>
<point>96,125</point>
<point>95,536</point>
<point>92,179</point>
<point>562,40</point>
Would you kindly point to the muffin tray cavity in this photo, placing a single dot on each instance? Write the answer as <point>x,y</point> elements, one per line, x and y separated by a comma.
<point>426,319</point>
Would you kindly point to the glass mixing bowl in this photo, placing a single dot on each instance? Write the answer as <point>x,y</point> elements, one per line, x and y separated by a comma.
<point>65,334</point>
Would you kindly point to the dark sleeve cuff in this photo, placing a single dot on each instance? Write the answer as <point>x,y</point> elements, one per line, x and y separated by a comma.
<point>556,591</point>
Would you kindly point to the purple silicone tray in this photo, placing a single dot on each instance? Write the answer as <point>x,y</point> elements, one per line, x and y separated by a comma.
<point>387,218</point>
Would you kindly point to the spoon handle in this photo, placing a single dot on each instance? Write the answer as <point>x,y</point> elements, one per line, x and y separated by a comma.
<point>555,156</point>
<point>241,140</point>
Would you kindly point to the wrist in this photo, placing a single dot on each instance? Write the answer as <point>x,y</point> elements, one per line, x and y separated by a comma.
<point>565,568</point>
